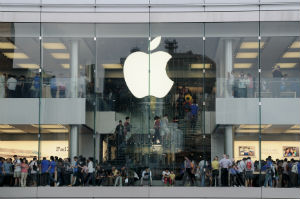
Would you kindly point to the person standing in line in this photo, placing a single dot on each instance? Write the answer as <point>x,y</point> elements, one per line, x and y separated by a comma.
<point>285,173</point>
<point>225,163</point>
<point>215,171</point>
<point>33,171</point>
<point>294,173</point>
<point>53,86</point>
<point>24,172</point>
<point>90,176</point>
<point>7,169</point>
<point>75,178</point>
<point>187,171</point>
<point>17,170</point>
<point>51,171</point>
<point>203,165</point>
<point>249,172</point>
<point>44,169</point>
<point>11,86</point>
<point>241,168</point>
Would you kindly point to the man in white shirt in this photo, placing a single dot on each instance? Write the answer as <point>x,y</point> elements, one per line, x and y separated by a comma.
<point>225,163</point>
<point>11,86</point>
<point>90,170</point>
<point>241,168</point>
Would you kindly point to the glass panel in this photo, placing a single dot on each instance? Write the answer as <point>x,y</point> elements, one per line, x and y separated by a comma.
<point>20,60</point>
<point>280,88</point>
<point>122,118</point>
<point>67,103</point>
<point>176,113</point>
<point>233,50</point>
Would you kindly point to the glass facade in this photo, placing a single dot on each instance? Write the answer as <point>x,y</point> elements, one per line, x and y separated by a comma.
<point>152,103</point>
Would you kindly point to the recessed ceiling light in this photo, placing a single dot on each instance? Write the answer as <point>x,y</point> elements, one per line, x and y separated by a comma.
<point>242,65</point>
<point>49,126</point>
<point>61,55</point>
<point>286,65</point>
<point>247,131</point>
<point>295,44</point>
<point>11,131</point>
<point>293,131</point>
<point>254,126</point>
<point>246,55</point>
<point>57,130</point>
<point>291,55</point>
<point>251,45</point>
<point>65,66</point>
<point>295,127</point>
<point>54,46</point>
<point>112,66</point>
<point>200,66</point>
<point>5,126</point>
<point>16,55</point>
<point>7,45</point>
<point>30,66</point>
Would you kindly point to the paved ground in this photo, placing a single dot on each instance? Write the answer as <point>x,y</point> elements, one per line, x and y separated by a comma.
<point>147,192</point>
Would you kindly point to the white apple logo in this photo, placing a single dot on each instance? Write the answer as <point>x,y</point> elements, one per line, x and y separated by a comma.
<point>137,72</point>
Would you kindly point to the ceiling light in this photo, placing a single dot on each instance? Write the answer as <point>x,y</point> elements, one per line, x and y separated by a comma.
<point>7,45</point>
<point>112,66</point>
<point>293,131</point>
<point>200,66</point>
<point>242,65</point>
<point>16,55</point>
<point>61,55</point>
<point>65,66</point>
<point>247,131</point>
<point>286,65</point>
<point>49,126</point>
<point>57,130</point>
<point>30,66</point>
<point>246,55</point>
<point>254,126</point>
<point>11,131</point>
<point>295,127</point>
<point>251,45</point>
<point>291,55</point>
<point>54,46</point>
<point>5,126</point>
<point>295,44</point>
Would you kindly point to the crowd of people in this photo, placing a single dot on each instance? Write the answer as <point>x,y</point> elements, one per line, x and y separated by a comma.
<point>86,172</point>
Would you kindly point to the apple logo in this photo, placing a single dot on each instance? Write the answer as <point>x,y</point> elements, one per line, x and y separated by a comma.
<point>137,72</point>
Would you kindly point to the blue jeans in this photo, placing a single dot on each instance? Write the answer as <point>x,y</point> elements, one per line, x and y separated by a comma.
<point>268,180</point>
<point>51,178</point>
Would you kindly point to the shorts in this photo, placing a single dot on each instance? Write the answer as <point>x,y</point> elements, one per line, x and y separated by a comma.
<point>17,174</point>
<point>249,175</point>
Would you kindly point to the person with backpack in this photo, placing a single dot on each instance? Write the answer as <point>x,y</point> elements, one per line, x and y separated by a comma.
<point>294,173</point>
<point>249,172</point>
<point>268,167</point>
<point>33,171</point>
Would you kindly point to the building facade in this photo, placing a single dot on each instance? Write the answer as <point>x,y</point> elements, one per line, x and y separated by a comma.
<point>197,79</point>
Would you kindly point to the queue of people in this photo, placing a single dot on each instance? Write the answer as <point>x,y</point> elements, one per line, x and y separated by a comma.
<point>86,172</point>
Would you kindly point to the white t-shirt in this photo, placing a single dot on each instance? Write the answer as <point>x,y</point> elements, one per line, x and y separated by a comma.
<point>164,173</point>
<point>17,167</point>
<point>31,167</point>
<point>11,84</point>
<point>90,167</point>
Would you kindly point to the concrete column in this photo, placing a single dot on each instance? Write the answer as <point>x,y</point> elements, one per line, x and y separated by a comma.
<point>73,144</point>
<point>229,141</point>
<point>228,68</point>
<point>97,147</point>
<point>74,94</point>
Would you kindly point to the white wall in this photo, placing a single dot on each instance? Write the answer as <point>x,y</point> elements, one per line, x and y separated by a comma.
<point>232,111</point>
<point>53,111</point>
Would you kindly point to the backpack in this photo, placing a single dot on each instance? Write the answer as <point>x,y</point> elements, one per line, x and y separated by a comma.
<point>34,167</point>
<point>249,165</point>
